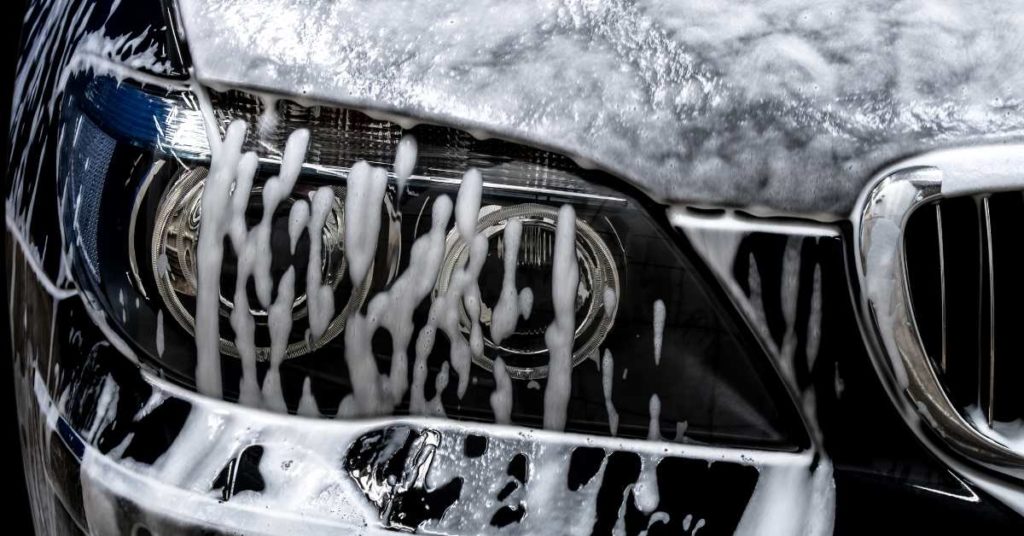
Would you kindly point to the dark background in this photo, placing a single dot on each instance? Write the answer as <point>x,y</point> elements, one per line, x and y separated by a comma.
<point>18,519</point>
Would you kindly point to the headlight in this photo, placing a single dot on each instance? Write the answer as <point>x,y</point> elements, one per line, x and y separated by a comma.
<point>349,269</point>
<point>173,260</point>
<point>517,279</point>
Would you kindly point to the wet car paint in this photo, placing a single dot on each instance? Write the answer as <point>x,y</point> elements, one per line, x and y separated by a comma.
<point>86,423</point>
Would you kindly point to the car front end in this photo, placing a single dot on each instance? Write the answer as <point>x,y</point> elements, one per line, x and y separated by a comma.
<point>372,267</point>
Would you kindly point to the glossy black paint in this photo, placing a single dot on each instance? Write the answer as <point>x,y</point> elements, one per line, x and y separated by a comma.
<point>886,481</point>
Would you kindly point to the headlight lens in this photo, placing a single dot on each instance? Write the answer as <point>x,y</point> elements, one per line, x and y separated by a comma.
<point>174,256</point>
<point>133,210</point>
<point>520,341</point>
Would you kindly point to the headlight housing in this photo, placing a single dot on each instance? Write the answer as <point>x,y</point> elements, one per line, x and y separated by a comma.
<point>654,353</point>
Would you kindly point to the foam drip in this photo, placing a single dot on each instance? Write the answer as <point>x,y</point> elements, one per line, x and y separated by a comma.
<point>560,334</point>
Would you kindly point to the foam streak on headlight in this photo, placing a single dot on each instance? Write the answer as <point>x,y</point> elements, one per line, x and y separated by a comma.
<point>335,264</point>
<point>225,201</point>
<point>565,276</point>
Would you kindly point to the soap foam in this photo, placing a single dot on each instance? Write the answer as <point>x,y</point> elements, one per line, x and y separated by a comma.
<point>363,200</point>
<point>506,311</point>
<point>561,333</point>
<point>405,161</point>
<point>501,398</point>
<point>319,296</point>
<point>659,329</point>
<point>607,369</point>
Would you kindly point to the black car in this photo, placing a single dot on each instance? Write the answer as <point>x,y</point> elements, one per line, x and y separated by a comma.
<point>353,267</point>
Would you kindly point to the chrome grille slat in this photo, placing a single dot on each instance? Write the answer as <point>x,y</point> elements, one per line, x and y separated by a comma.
<point>966,285</point>
<point>981,311</point>
<point>942,285</point>
<point>990,287</point>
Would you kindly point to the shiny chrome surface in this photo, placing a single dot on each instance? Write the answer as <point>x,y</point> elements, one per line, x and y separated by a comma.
<point>990,265</point>
<point>942,282</point>
<point>884,297</point>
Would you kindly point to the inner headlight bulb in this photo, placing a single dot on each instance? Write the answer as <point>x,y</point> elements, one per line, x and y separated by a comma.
<point>524,350</point>
<point>174,242</point>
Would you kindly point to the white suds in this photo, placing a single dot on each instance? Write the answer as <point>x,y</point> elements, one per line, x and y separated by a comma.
<point>462,290</point>
<point>501,398</point>
<point>434,406</point>
<point>526,302</point>
<point>680,436</point>
<point>659,329</point>
<point>445,314</point>
<point>607,368</point>
<point>654,426</point>
<point>347,408</point>
<point>405,161</point>
<point>254,253</point>
<point>307,404</point>
<point>224,158</point>
<point>814,320</point>
<point>645,493</point>
<point>467,205</point>
<point>506,311</point>
<point>319,296</point>
<point>367,385</point>
<point>620,523</point>
<point>393,309</point>
<point>363,199</point>
<point>551,508</point>
<point>160,333</point>
<point>275,190</point>
<point>398,303</point>
<point>559,336</point>
<point>788,292</point>
<point>245,334</point>
<point>656,517</point>
<point>533,384</point>
<point>298,217</point>
<point>279,320</point>
<point>241,320</point>
<point>791,500</point>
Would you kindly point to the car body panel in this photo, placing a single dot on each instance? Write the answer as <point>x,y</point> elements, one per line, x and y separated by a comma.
<point>111,446</point>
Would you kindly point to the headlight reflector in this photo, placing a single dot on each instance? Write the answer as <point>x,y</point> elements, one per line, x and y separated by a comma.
<point>523,347</point>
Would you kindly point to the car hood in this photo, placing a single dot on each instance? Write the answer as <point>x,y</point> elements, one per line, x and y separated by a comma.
<point>786,106</point>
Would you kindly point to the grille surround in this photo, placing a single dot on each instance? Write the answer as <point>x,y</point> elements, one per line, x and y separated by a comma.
<point>911,376</point>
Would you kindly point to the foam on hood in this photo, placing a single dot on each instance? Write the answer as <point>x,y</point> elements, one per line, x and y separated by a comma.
<point>788,105</point>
